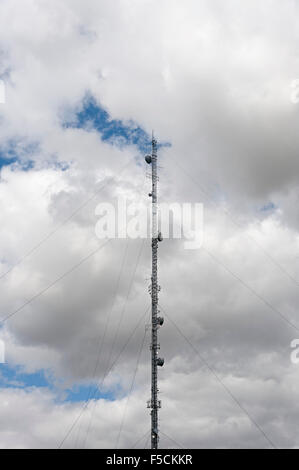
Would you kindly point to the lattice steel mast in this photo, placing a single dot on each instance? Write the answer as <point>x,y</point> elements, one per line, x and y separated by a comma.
<point>157,321</point>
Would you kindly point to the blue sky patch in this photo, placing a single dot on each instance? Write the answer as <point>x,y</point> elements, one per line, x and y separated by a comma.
<point>80,393</point>
<point>270,206</point>
<point>19,151</point>
<point>16,378</point>
<point>94,117</point>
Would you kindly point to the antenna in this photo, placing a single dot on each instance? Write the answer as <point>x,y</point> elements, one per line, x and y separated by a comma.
<point>157,321</point>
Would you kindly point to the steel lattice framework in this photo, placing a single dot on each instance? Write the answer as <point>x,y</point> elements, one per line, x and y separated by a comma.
<point>157,321</point>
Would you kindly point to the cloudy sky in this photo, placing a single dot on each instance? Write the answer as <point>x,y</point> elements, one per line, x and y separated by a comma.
<point>85,84</point>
